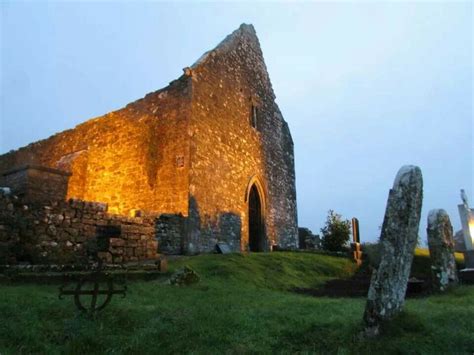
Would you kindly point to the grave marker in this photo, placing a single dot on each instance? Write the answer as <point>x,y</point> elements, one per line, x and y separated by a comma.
<point>355,245</point>
<point>441,246</point>
<point>397,241</point>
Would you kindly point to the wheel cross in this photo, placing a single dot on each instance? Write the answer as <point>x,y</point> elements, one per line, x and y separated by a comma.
<point>97,286</point>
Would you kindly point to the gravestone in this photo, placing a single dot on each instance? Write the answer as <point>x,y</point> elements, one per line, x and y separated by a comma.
<point>467,221</point>
<point>397,244</point>
<point>223,248</point>
<point>441,245</point>
<point>355,245</point>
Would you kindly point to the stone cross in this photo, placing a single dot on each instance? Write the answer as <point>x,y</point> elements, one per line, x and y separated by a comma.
<point>355,230</point>
<point>398,241</point>
<point>467,222</point>
<point>441,245</point>
<point>464,198</point>
<point>356,249</point>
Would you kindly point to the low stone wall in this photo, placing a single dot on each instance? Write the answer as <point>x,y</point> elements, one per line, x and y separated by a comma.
<point>307,240</point>
<point>37,183</point>
<point>65,232</point>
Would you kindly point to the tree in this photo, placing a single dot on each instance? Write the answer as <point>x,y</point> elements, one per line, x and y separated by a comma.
<point>336,232</point>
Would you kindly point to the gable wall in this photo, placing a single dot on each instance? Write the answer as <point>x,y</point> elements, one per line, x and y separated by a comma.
<point>227,152</point>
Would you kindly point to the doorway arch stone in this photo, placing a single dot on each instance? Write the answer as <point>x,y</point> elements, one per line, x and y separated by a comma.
<point>256,207</point>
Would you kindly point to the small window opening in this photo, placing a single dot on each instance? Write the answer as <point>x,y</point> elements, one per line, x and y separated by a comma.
<point>180,161</point>
<point>254,117</point>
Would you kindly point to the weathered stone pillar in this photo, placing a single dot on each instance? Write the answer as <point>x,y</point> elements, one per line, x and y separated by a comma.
<point>398,241</point>
<point>441,245</point>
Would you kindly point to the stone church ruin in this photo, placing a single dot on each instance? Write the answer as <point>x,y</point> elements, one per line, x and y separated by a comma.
<point>207,159</point>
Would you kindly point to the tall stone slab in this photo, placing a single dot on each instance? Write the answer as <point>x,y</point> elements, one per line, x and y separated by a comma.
<point>466,213</point>
<point>467,221</point>
<point>355,245</point>
<point>398,241</point>
<point>441,245</point>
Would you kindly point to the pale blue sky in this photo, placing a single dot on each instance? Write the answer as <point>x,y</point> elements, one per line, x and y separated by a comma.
<point>365,87</point>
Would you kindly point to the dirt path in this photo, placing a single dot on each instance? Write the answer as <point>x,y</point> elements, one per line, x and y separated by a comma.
<point>358,286</point>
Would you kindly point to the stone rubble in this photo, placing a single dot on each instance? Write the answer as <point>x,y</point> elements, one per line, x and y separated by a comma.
<point>185,276</point>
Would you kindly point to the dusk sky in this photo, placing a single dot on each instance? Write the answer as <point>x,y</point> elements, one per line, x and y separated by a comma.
<point>365,88</point>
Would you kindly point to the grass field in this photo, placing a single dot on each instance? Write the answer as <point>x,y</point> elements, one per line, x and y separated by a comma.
<point>243,304</point>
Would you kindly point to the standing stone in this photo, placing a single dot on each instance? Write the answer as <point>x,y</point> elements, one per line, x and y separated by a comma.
<point>441,245</point>
<point>398,241</point>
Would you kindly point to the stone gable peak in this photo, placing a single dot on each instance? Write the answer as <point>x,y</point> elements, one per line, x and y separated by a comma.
<point>244,35</point>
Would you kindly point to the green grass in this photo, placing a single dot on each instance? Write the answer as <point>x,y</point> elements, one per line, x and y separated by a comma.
<point>422,266</point>
<point>243,304</point>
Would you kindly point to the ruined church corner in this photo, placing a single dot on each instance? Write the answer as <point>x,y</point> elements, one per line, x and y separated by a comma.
<point>206,160</point>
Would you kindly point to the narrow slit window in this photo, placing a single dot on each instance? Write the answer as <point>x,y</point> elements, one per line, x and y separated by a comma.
<point>254,117</point>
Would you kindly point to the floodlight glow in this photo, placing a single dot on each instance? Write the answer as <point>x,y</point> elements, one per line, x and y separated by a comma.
<point>471,229</point>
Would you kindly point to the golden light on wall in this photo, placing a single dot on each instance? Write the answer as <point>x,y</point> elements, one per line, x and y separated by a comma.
<point>471,228</point>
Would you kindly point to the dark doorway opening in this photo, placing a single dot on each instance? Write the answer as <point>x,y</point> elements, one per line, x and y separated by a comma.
<point>256,230</point>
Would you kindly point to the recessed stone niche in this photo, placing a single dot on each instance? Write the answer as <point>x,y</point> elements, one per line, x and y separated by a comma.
<point>37,183</point>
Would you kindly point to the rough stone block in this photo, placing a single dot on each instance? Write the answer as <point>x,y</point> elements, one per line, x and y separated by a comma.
<point>117,242</point>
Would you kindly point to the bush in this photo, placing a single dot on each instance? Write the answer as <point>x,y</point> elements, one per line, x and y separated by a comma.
<point>336,232</point>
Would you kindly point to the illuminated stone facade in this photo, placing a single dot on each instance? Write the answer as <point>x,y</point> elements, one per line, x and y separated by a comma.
<point>212,147</point>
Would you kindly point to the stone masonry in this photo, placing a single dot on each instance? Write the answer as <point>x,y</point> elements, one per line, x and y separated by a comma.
<point>37,183</point>
<point>63,232</point>
<point>227,83</point>
<point>211,147</point>
<point>441,245</point>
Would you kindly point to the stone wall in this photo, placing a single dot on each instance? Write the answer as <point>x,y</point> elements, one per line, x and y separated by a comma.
<point>133,158</point>
<point>228,153</point>
<point>37,183</point>
<point>170,229</point>
<point>64,232</point>
<point>194,148</point>
<point>173,233</point>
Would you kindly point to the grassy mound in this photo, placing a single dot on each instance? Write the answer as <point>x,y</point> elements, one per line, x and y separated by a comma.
<point>278,271</point>
<point>242,304</point>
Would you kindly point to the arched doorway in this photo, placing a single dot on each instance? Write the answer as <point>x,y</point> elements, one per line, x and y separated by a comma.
<point>256,227</point>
